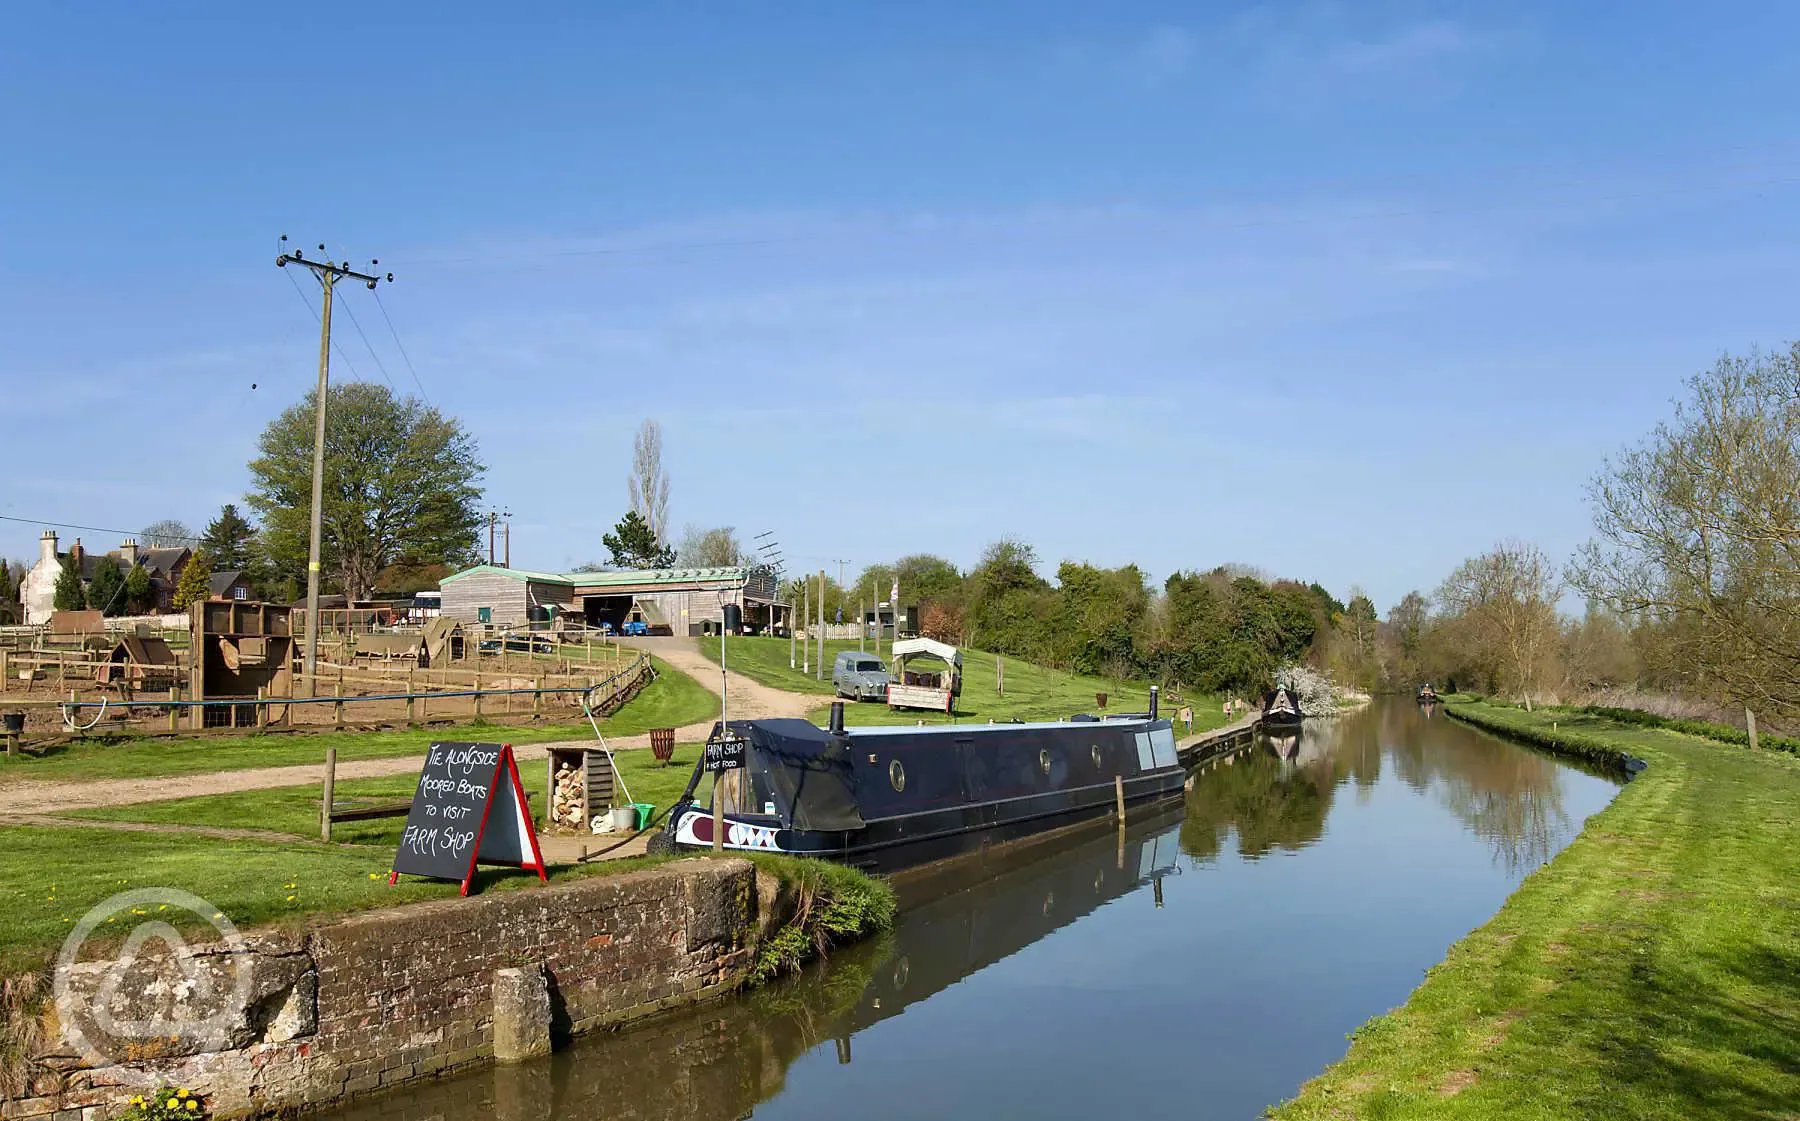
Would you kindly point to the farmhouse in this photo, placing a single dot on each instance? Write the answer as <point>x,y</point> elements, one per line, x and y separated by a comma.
<point>38,592</point>
<point>680,601</point>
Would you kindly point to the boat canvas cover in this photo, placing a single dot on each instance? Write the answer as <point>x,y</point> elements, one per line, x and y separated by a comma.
<point>808,773</point>
<point>907,647</point>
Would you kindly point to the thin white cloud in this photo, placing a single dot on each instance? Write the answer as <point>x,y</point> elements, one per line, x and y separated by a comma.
<point>1403,47</point>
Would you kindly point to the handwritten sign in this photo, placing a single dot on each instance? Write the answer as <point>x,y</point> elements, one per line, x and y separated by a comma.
<point>469,807</point>
<point>724,755</point>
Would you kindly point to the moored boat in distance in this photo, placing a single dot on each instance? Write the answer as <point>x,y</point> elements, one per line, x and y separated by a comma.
<point>884,798</point>
<point>1281,708</point>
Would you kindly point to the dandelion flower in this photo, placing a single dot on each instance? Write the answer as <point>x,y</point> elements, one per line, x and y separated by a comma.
<point>290,898</point>
<point>192,1105</point>
<point>164,907</point>
<point>181,1093</point>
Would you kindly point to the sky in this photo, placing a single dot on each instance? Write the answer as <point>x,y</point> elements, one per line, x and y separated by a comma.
<point>1344,292</point>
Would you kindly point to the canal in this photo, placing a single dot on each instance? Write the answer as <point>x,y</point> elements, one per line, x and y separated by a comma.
<point>1204,965</point>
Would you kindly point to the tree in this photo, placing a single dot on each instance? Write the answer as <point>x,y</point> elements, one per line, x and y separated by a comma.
<point>140,591</point>
<point>1406,630</point>
<point>195,583</point>
<point>69,594</point>
<point>709,548</point>
<point>1697,532</point>
<point>648,486</point>
<point>166,534</point>
<point>634,545</point>
<point>228,540</point>
<point>1506,601</point>
<point>106,591</point>
<point>401,484</point>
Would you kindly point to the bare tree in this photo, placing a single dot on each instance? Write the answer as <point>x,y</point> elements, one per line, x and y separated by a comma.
<point>709,548</point>
<point>649,483</point>
<point>1698,532</point>
<point>167,534</point>
<point>1506,600</point>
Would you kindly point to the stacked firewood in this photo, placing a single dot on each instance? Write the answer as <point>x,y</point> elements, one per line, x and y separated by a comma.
<point>568,798</point>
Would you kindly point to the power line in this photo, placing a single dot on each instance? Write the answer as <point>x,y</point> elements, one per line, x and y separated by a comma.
<point>335,345</point>
<point>92,528</point>
<point>378,363</point>
<point>402,347</point>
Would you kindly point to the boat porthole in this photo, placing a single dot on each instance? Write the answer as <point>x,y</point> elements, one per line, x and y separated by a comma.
<point>1044,760</point>
<point>1096,750</point>
<point>897,775</point>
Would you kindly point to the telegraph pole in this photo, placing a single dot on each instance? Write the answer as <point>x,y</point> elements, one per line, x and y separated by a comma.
<point>328,275</point>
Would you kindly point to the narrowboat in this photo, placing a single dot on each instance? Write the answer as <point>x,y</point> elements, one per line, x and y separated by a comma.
<point>890,798</point>
<point>1428,695</point>
<point>1281,708</point>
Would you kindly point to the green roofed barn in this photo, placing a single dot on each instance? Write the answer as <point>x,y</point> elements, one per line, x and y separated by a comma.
<point>681,601</point>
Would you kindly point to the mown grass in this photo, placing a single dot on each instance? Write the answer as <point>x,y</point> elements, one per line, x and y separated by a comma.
<point>50,877</point>
<point>672,700</point>
<point>1651,970</point>
<point>1032,692</point>
<point>295,809</point>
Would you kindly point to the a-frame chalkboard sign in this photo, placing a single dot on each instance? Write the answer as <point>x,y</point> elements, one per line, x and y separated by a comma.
<point>469,808</point>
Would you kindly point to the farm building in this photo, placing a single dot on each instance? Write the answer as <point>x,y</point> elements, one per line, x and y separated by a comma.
<point>682,601</point>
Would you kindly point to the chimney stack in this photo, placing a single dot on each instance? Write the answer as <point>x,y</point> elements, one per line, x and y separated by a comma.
<point>128,549</point>
<point>76,551</point>
<point>47,547</point>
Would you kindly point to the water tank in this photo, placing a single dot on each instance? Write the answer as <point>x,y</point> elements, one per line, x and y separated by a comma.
<point>537,613</point>
<point>734,619</point>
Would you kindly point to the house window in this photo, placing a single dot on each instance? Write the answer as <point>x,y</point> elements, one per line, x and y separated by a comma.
<point>238,591</point>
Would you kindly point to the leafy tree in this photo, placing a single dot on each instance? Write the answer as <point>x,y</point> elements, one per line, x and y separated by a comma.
<point>228,540</point>
<point>166,534</point>
<point>634,544</point>
<point>1101,614</point>
<point>195,583</point>
<point>9,584</point>
<point>1698,534</point>
<point>401,483</point>
<point>69,595</point>
<point>140,590</point>
<point>106,591</point>
<point>1505,604</point>
<point>1011,608</point>
<point>709,548</point>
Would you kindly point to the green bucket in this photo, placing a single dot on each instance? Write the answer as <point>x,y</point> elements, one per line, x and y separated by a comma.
<point>644,811</point>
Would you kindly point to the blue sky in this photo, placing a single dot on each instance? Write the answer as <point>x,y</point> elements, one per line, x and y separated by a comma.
<point>1344,291</point>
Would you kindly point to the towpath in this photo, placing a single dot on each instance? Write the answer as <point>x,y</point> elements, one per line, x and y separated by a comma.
<point>749,700</point>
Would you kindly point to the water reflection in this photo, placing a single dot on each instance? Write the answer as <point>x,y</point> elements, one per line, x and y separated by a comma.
<point>1279,794</point>
<point>1203,966</point>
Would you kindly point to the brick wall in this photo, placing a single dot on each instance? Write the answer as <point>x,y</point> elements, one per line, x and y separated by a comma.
<point>391,997</point>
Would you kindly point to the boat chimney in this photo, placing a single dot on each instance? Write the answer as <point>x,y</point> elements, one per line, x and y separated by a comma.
<point>1153,702</point>
<point>837,718</point>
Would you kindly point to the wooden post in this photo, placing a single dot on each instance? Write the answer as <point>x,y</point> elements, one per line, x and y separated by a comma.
<point>1119,797</point>
<point>330,781</point>
<point>477,688</point>
<point>174,712</point>
<point>6,678</point>
<point>412,690</point>
<point>1000,675</point>
<point>337,715</point>
<point>537,697</point>
<point>62,672</point>
<point>262,706</point>
<point>718,808</point>
<point>1750,726</point>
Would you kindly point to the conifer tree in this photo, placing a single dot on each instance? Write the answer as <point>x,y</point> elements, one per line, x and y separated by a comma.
<point>196,581</point>
<point>70,596</point>
<point>106,591</point>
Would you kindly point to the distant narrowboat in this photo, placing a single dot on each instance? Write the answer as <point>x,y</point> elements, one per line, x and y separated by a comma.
<point>1281,708</point>
<point>889,798</point>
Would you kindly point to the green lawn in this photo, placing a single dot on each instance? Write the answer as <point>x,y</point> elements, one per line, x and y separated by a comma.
<point>1652,970</point>
<point>295,809</point>
<point>50,877</point>
<point>1032,692</point>
<point>672,700</point>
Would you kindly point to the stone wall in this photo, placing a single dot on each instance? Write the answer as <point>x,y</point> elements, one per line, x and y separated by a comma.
<point>285,1021</point>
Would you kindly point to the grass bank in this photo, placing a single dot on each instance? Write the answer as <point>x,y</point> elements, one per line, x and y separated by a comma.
<point>672,700</point>
<point>295,809</point>
<point>1033,692</point>
<point>1651,970</point>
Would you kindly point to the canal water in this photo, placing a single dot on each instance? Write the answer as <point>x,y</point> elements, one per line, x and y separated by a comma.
<point>1203,966</point>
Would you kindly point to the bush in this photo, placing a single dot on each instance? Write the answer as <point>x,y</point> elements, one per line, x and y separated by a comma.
<point>1705,729</point>
<point>836,904</point>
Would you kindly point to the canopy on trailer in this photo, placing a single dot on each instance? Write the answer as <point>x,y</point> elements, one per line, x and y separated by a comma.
<point>908,647</point>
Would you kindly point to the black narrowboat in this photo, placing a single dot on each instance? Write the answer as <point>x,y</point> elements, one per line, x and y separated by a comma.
<point>1281,708</point>
<point>890,798</point>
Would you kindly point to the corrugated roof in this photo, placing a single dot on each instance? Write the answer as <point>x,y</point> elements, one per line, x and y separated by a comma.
<point>607,579</point>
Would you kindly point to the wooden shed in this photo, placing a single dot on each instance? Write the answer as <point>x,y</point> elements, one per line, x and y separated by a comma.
<point>142,664</point>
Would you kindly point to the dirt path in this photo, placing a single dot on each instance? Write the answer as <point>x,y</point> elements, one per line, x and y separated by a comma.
<point>749,700</point>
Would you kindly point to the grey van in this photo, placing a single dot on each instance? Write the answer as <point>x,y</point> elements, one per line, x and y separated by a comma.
<point>861,677</point>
